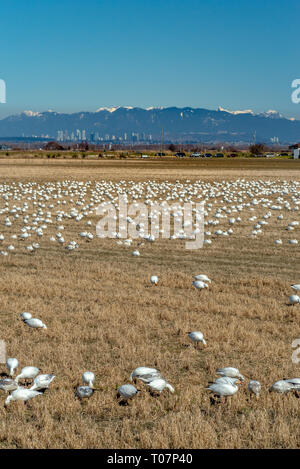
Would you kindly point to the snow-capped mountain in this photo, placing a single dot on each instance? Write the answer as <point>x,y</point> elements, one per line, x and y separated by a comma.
<point>179,124</point>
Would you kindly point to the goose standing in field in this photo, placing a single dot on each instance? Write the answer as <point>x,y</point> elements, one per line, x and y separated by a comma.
<point>12,364</point>
<point>144,373</point>
<point>157,385</point>
<point>199,284</point>
<point>127,391</point>
<point>254,387</point>
<point>28,372</point>
<point>296,287</point>
<point>203,278</point>
<point>8,385</point>
<point>88,378</point>
<point>154,280</point>
<point>84,392</point>
<point>223,389</point>
<point>35,323</point>
<point>197,337</point>
<point>42,382</point>
<point>282,386</point>
<point>294,299</point>
<point>25,315</point>
<point>230,372</point>
<point>21,394</point>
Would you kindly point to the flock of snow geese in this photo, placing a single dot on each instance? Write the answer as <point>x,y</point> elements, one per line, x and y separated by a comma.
<point>31,210</point>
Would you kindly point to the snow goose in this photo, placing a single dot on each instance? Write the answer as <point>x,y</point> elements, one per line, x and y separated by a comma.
<point>159,384</point>
<point>223,389</point>
<point>42,382</point>
<point>88,378</point>
<point>282,386</point>
<point>28,372</point>
<point>8,385</point>
<point>84,392</point>
<point>203,278</point>
<point>230,372</point>
<point>12,364</point>
<point>143,372</point>
<point>296,287</point>
<point>154,280</point>
<point>35,323</point>
<point>294,299</point>
<point>25,315</point>
<point>197,337</point>
<point>254,387</point>
<point>126,391</point>
<point>199,285</point>
<point>21,394</point>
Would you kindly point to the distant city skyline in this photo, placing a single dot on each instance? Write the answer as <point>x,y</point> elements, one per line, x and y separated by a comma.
<point>72,56</point>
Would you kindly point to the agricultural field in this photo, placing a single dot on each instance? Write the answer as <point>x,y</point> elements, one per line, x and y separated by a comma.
<point>104,315</point>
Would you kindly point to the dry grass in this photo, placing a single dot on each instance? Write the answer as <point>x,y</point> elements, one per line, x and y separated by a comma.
<point>103,315</point>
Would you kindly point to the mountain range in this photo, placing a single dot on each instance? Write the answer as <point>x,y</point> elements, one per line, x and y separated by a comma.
<point>179,125</point>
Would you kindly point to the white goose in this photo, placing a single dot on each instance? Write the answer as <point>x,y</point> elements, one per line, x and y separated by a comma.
<point>28,372</point>
<point>223,389</point>
<point>203,278</point>
<point>127,391</point>
<point>42,382</point>
<point>159,384</point>
<point>8,385</point>
<point>154,280</point>
<point>35,323</point>
<point>25,315</point>
<point>197,337</point>
<point>199,284</point>
<point>88,378</point>
<point>12,364</point>
<point>254,387</point>
<point>230,372</point>
<point>21,394</point>
<point>144,373</point>
<point>84,392</point>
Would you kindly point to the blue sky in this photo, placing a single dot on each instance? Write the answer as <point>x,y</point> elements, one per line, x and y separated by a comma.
<point>73,55</point>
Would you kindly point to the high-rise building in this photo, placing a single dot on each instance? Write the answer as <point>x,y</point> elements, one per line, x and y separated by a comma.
<point>60,136</point>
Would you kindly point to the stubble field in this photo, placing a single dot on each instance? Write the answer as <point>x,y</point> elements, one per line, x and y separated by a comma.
<point>103,315</point>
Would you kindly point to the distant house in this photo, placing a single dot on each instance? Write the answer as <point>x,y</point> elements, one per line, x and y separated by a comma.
<point>296,150</point>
